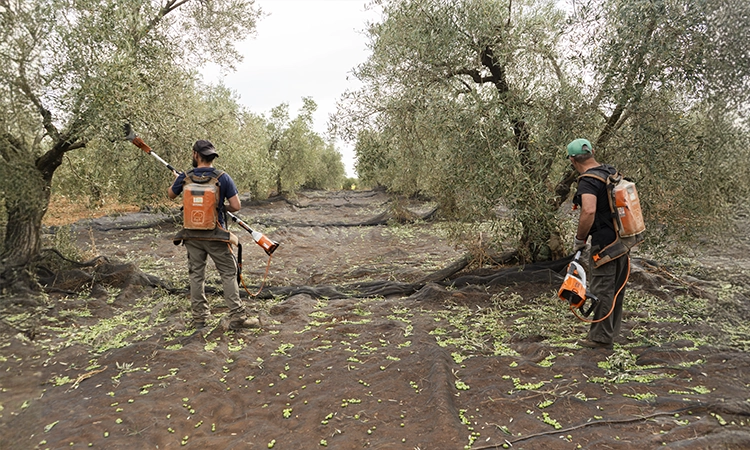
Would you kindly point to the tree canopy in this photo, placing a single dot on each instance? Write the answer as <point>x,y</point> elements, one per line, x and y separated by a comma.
<point>264,154</point>
<point>300,156</point>
<point>72,73</point>
<point>472,102</point>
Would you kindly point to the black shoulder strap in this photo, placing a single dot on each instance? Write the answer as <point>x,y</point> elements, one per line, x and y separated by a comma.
<point>598,173</point>
<point>188,177</point>
<point>215,174</point>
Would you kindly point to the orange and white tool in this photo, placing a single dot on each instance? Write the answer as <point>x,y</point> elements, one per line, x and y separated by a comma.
<point>573,288</point>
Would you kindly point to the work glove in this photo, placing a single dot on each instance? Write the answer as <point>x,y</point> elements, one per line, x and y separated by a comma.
<point>579,244</point>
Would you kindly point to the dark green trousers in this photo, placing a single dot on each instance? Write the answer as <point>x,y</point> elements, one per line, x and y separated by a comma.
<point>607,282</point>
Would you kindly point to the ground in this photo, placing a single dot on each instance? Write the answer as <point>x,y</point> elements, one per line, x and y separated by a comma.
<point>359,350</point>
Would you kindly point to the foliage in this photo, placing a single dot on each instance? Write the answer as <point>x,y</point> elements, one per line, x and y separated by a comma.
<point>327,169</point>
<point>299,155</point>
<point>71,73</point>
<point>472,103</point>
<point>243,140</point>
<point>238,135</point>
<point>352,183</point>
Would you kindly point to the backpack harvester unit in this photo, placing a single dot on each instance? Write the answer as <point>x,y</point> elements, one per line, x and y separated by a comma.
<point>625,210</point>
<point>201,200</point>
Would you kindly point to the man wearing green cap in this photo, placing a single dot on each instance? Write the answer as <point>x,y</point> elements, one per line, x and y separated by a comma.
<point>607,280</point>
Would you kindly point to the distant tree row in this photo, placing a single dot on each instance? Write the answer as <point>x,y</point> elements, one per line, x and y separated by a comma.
<point>277,154</point>
<point>472,102</point>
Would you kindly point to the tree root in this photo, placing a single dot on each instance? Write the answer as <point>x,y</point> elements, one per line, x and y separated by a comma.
<point>693,407</point>
<point>90,263</point>
<point>447,272</point>
<point>654,278</point>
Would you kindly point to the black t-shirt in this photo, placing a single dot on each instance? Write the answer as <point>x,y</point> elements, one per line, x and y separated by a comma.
<point>603,230</point>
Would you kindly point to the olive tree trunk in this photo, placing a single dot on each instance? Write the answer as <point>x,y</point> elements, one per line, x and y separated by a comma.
<point>24,227</point>
<point>27,184</point>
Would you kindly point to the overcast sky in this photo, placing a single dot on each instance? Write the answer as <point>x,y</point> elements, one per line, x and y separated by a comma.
<point>303,48</point>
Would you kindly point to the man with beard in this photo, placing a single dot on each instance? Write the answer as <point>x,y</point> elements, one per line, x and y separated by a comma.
<point>204,234</point>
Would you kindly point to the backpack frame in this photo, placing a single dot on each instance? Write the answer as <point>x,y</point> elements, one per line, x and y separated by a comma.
<point>625,211</point>
<point>200,197</point>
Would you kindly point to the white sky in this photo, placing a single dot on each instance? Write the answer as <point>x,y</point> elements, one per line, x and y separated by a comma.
<point>303,48</point>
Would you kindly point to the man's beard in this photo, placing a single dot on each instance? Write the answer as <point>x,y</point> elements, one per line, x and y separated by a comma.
<point>195,162</point>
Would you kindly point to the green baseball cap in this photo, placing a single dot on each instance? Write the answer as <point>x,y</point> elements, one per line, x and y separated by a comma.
<point>579,147</point>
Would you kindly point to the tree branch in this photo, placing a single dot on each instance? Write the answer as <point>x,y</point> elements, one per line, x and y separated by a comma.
<point>168,7</point>
<point>629,91</point>
<point>562,190</point>
<point>474,74</point>
<point>619,115</point>
<point>597,422</point>
<point>22,83</point>
<point>12,144</point>
<point>465,84</point>
<point>48,162</point>
<point>52,159</point>
<point>556,66</point>
<point>510,10</point>
<point>497,71</point>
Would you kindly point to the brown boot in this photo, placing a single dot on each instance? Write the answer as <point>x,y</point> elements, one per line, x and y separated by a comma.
<point>239,324</point>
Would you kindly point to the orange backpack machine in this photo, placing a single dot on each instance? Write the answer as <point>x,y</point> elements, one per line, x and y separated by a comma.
<point>200,201</point>
<point>628,207</point>
<point>627,216</point>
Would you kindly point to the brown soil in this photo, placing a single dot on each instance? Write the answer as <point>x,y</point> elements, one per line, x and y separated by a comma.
<point>444,366</point>
<point>63,211</point>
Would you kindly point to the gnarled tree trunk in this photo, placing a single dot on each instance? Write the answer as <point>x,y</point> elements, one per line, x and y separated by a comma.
<point>27,183</point>
<point>23,230</point>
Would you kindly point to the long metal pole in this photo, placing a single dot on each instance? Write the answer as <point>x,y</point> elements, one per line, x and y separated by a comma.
<point>267,244</point>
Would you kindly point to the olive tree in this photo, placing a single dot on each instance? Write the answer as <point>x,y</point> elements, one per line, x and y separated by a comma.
<point>299,155</point>
<point>105,169</point>
<point>670,82</point>
<point>327,169</point>
<point>72,72</point>
<point>472,102</point>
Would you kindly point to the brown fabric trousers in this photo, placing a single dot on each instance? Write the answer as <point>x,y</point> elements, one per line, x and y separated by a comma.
<point>198,252</point>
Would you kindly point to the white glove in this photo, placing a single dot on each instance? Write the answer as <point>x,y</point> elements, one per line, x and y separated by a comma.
<point>578,244</point>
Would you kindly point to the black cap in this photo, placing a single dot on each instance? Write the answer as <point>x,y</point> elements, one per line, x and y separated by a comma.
<point>205,148</point>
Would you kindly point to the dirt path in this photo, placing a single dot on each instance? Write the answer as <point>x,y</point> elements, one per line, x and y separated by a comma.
<point>445,368</point>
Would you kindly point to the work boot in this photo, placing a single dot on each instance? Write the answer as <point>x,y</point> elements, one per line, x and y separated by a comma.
<point>594,344</point>
<point>239,324</point>
<point>198,324</point>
